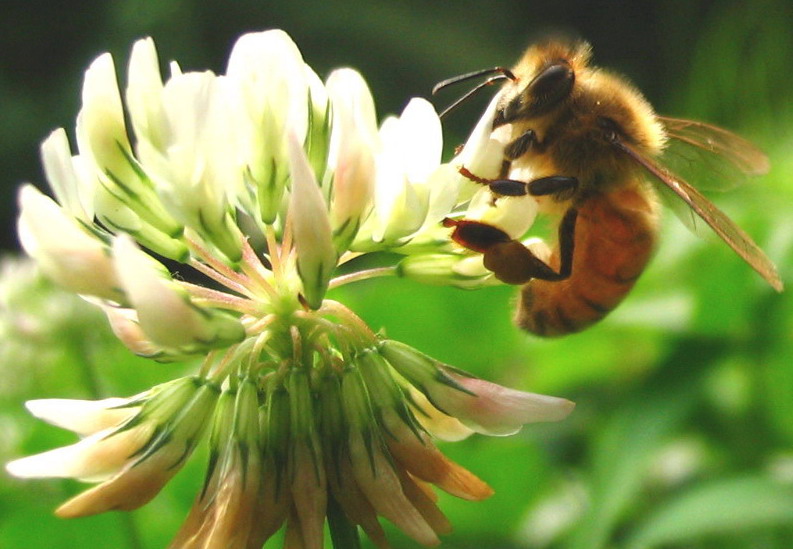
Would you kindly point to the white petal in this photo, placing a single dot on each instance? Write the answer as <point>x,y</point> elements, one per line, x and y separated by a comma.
<point>400,207</point>
<point>74,193</point>
<point>144,94</point>
<point>514,215</point>
<point>66,253</point>
<point>444,187</point>
<point>164,314</point>
<point>84,417</point>
<point>270,69</point>
<point>353,144</point>
<point>101,131</point>
<point>95,458</point>
<point>483,152</point>
<point>351,97</point>
<point>422,139</point>
<point>200,167</point>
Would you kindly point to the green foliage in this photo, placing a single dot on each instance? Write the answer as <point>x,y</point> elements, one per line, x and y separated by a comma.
<point>683,430</point>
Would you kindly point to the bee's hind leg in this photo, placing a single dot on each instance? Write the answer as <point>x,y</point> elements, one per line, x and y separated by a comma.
<point>509,259</point>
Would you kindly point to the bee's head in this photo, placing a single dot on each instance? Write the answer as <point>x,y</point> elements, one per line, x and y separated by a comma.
<point>544,80</point>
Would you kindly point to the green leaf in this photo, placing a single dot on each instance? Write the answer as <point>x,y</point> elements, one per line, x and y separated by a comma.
<point>721,508</point>
<point>630,440</point>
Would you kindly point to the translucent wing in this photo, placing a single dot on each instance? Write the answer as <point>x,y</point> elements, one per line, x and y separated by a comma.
<point>715,158</point>
<point>731,233</point>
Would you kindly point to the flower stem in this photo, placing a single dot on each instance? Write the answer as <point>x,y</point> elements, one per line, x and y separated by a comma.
<point>274,251</point>
<point>367,336</point>
<point>252,266</point>
<point>216,269</point>
<point>222,369</point>
<point>132,531</point>
<point>85,357</point>
<point>362,275</point>
<point>217,277</point>
<point>214,298</point>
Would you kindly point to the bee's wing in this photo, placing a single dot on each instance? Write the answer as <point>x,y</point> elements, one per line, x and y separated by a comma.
<point>715,158</point>
<point>731,233</point>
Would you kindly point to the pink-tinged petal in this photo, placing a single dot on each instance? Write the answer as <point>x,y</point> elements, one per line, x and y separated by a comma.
<point>84,417</point>
<point>378,481</point>
<point>496,410</point>
<point>481,405</point>
<point>125,326</point>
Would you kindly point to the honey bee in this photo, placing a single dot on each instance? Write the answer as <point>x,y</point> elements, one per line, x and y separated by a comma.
<point>587,146</point>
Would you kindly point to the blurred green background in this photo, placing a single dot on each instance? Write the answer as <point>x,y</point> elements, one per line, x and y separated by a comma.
<point>683,434</point>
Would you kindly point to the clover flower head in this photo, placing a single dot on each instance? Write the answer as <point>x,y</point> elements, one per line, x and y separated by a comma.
<point>208,215</point>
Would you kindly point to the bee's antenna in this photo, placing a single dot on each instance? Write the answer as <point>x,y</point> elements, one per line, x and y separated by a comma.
<point>470,93</point>
<point>503,74</point>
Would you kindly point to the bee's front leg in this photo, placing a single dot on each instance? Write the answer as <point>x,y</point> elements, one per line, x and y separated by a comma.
<point>528,141</point>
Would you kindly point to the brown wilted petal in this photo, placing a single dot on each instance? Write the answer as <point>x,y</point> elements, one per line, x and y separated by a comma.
<point>377,479</point>
<point>134,486</point>
<point>423,459</point>
<point>423,499</point>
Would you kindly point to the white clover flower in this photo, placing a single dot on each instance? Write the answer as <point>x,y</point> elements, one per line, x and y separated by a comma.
<point>264,180</point>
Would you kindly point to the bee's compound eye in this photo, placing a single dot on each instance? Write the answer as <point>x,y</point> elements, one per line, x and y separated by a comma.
<point>552,85</point>
<point>555,81</point>
<point>609,127</point>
